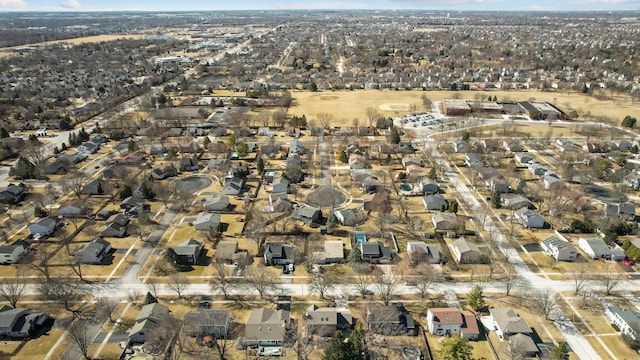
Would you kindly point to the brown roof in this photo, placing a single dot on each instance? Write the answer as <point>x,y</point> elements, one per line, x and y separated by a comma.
<point>446,316</point>
<point>470,325</point>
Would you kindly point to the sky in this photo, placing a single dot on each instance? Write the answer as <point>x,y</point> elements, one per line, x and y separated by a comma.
<point>174,5</point>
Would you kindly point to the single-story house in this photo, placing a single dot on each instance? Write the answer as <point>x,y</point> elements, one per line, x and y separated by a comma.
<point>370,184</point>
<point>390,320</point>
<point>511,145</point>
<point>188,164</point>
<point>133,158</point>
<point>626,320</point>
<point>460,146</point>
<point>551,182</point>
<point>19,323</point>
<point>421,252</point>
<point>225,251</point>
<point>278,254</point>
<point>411,160</point>
<point>349,217</point>
<point>189,251</point>
<point>233,186</point>
<point>306,213</point>
<point>75,207</point>
<point>217,164</point>
<point>434,202</point>
<point>507,323</point>
<point>216,203</point>
<point>267,328</point>
<point>445,221</point>
<point>515,201</point>
<point>149,317</point>
<point>113,230</point>
<point>560,250</point>
<point>45,226</point>
<point>536,168</point>
<point>529,218</point>
<point>333,251</point>
<point>449,321</point>
<point>12,194</point>
<point>279,202</point>
<point>207,322</point>
<point>523,344</point>
<point>88,148</point>
<point>375,252</point>
<point>280,185</point>
<point>473,160</point>
<point>162,172</point>
<point>428,186</point>
<point>93,252</point>
<point>325,321</point>
<point>94,187</point>
<point>205,221</point>
<point>498,184</point>
<point>596,248</point>
<point>118,219</point>
<point>466,252</point>
<point>131,202</point>
<point>10,254</point>
<point>523,158</point>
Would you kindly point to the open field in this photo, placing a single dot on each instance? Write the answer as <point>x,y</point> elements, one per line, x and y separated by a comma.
<point>7,51</point>
<point>347,105</point>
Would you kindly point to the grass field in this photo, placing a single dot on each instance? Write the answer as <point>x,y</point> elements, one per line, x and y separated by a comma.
<point>348,105</point>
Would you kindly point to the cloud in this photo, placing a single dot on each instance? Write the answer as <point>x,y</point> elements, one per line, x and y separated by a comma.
<point>70,4</point>
<point>13,5</point>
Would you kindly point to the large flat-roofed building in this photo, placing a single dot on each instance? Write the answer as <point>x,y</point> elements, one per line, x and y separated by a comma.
<point>546,110</point>
<point>489,107</point>
<point>455,107</point>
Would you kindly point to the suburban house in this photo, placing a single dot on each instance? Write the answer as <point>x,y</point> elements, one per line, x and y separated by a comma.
<point>88,148</point>
<point>149,317</point>
<point>278,254</point>
<point>307,214</point>
<point>523,158</point>
<point>19,323</point>
<point>560,250</point>
<point>325,321</point>
<point>216,203</point>
<point>428,186</point>
<point>530,219</point>
<point>509,326</point>
<point>626,211</point>
<point>445,221</point>
<point>375,252</point>
<point>45,226</point>
<point>10,254</point>
<point>267,329</point>
<point>233,186</point>
<point>112,229</point>
<point>188,252</point>
<point>188,164</point>
<point>206,221</point>
<point>280,185</point>
<point>162,172</point>
<point>515,201</point>
<point>370,184</point>
<point>473,160</point>
<point>449,321</point>
<point>627,321</point>
<point>207,322</point>
<point>75,207</point>
<point>133,158</point>
<point>217,164</point>
<point>411,160</point>
<point>392,320</point>
<point>349,217</point>
<point>434,202</point>
<point>118,219</point>
<point>511,145</point>
<point>12,194</point>
<point>596,248</point>
<point>225,251</point>
<point>551,182</point>
<point>93,252</point>
<point>131,202</point>
<point>466,252</point>
<point>536,168</point>
<point>94,187</point>
<point>421,252</point>
<point>498,184</point>
<point>460,146</point>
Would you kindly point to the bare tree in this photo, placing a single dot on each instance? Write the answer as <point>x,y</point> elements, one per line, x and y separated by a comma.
<point>610,277</point>
<point>324,119</point>
<point>77,267</point>
<point>511,280</point>
<point>544,302</point>
<point>321,283</point>
<point>425,277</point>
<point>163,191</point>
<point>12,288</point>
<point>41,264</point>
<point>74,182</point>
<point>65,293</point>
<point>163,335</point>
<point>415,226</point>
<point>107,306</point>
<point>372,115</point>
<point>78,331</point>
<point>221,281</point>
<point>183,198</point>
<point>387,286</point>
<point>260,279</point>
<point>178,283</point>
<point>580,277</point>
<point>279,118</point>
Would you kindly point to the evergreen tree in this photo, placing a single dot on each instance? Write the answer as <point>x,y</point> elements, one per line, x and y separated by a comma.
<point>394,138</point>
<point>332,223</point>
<point>453,206</point>
<point>495,199</point>
<point>465,136</point>
<point>432,174</point>
<point>4,133</point>
<point>560,352</point>
<point>242,149</point>
<point>126,192</point>
<point>342,156</point>
<point>131,146</point>
<point>149,299</point>
<point>260,164</point>
<point>24,169</point>
<point>354,257</point>
<point>63,147</point>
<point>206,142</point>
<point>146,191</point>
<point>475,298</point>
<point>339,349</point>
<point>65,123</point>
<point>455,347</point>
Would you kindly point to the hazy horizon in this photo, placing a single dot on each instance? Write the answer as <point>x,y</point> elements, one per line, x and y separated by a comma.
<point>443,5</point>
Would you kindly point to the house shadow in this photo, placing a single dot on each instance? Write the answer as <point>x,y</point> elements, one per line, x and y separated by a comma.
<point>224,227</point>
<point>204,259</point>
<point>108,260</point>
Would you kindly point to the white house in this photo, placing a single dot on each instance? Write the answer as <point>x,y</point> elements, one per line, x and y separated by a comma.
<point>10,254</point>
<point>529,218</point>
<point>598,249</point>
<point>450,321</point>
<point>560,250</point>
<point>626,320</point>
